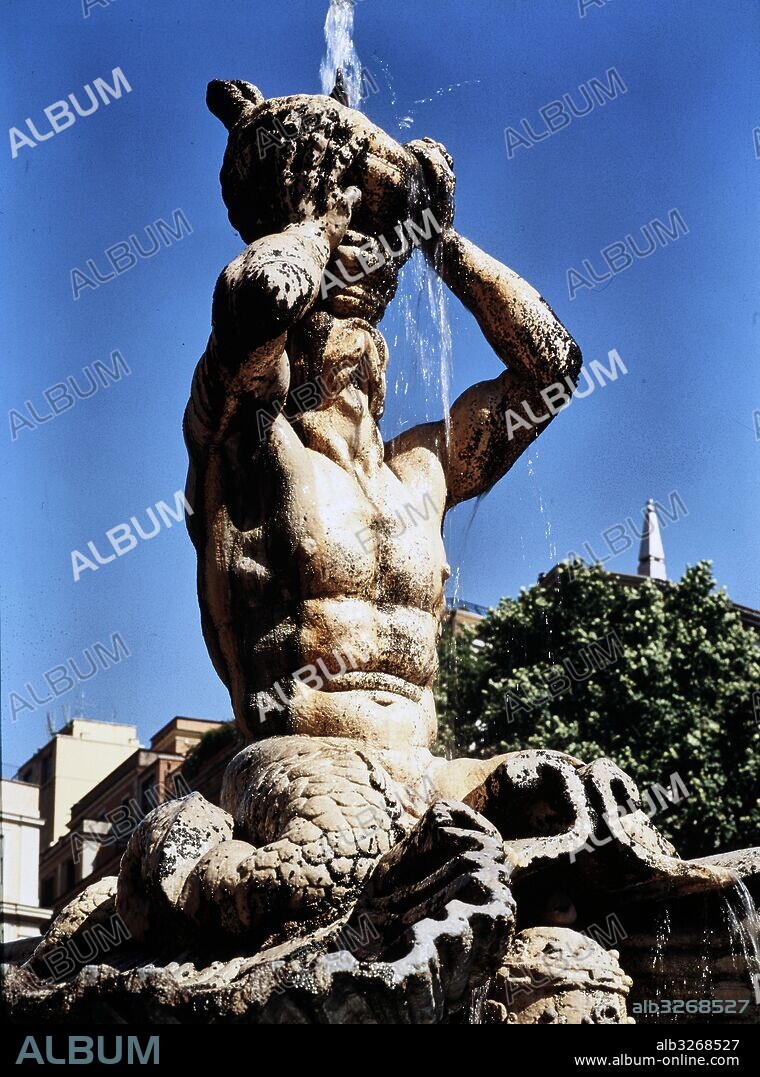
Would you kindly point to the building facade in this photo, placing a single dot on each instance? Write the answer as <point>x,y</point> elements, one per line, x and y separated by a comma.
<point>20,824</point>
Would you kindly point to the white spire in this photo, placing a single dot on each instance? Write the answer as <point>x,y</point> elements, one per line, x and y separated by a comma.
<point>651,553</point>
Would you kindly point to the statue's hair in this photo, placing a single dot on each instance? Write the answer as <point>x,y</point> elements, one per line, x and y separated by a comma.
<point>251,174</point>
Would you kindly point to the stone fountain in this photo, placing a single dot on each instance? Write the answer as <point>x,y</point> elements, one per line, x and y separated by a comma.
<point>351,875</point>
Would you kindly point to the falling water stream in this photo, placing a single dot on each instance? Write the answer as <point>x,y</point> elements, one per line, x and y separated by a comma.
<point>663,929</point>
<point>735,932</point>
<point>340,52</point>
<point>425,350</point>
<point>743,921</point>
<point>477,1006</point>
<point>705,962</point>
<point>532,465</point>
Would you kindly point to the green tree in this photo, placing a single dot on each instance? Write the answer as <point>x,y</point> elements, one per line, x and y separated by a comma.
<point>658,677</point>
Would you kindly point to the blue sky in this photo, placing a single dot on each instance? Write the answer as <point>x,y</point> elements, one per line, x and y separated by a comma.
<point>684,320</point>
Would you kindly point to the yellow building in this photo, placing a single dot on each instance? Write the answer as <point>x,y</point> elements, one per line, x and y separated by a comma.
<point>70,764</point>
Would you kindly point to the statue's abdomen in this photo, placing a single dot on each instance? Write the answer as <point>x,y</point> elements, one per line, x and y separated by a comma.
<point>359,573</point>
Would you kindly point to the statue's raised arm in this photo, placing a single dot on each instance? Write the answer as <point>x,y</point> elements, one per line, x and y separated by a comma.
<point>542,359</point>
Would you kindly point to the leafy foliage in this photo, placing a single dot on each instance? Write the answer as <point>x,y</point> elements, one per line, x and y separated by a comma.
<point>658,677</point>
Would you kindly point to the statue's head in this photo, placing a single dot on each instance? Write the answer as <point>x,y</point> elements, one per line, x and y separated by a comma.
<point>266,179</point>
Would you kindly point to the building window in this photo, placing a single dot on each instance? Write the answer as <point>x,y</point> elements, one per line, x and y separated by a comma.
<point>47,891</point>
<point>47,769</point>
<point>28,775</point>
<point>71,875</point>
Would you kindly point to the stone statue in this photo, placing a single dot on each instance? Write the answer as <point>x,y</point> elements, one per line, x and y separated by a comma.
<point>322,616</point>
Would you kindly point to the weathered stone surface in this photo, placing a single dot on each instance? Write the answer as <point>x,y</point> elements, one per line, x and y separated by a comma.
<point>433,925</point>
<point>553,810</point>
<point>161,853</point>
<point>559,977</point>
<point>539,803</point>
<point>96,905</point>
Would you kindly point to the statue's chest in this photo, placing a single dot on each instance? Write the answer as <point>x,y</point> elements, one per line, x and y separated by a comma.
<point>355,534</point>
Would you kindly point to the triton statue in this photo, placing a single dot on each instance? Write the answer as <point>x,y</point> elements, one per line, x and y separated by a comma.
<point>296,497</point>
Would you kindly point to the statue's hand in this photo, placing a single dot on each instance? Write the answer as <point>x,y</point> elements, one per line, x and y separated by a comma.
<point>336,220</point>
<point>438,178</point>
<point>313,172</point>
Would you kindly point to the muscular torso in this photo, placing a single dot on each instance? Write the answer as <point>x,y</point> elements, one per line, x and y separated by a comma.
<point>319,554</point>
